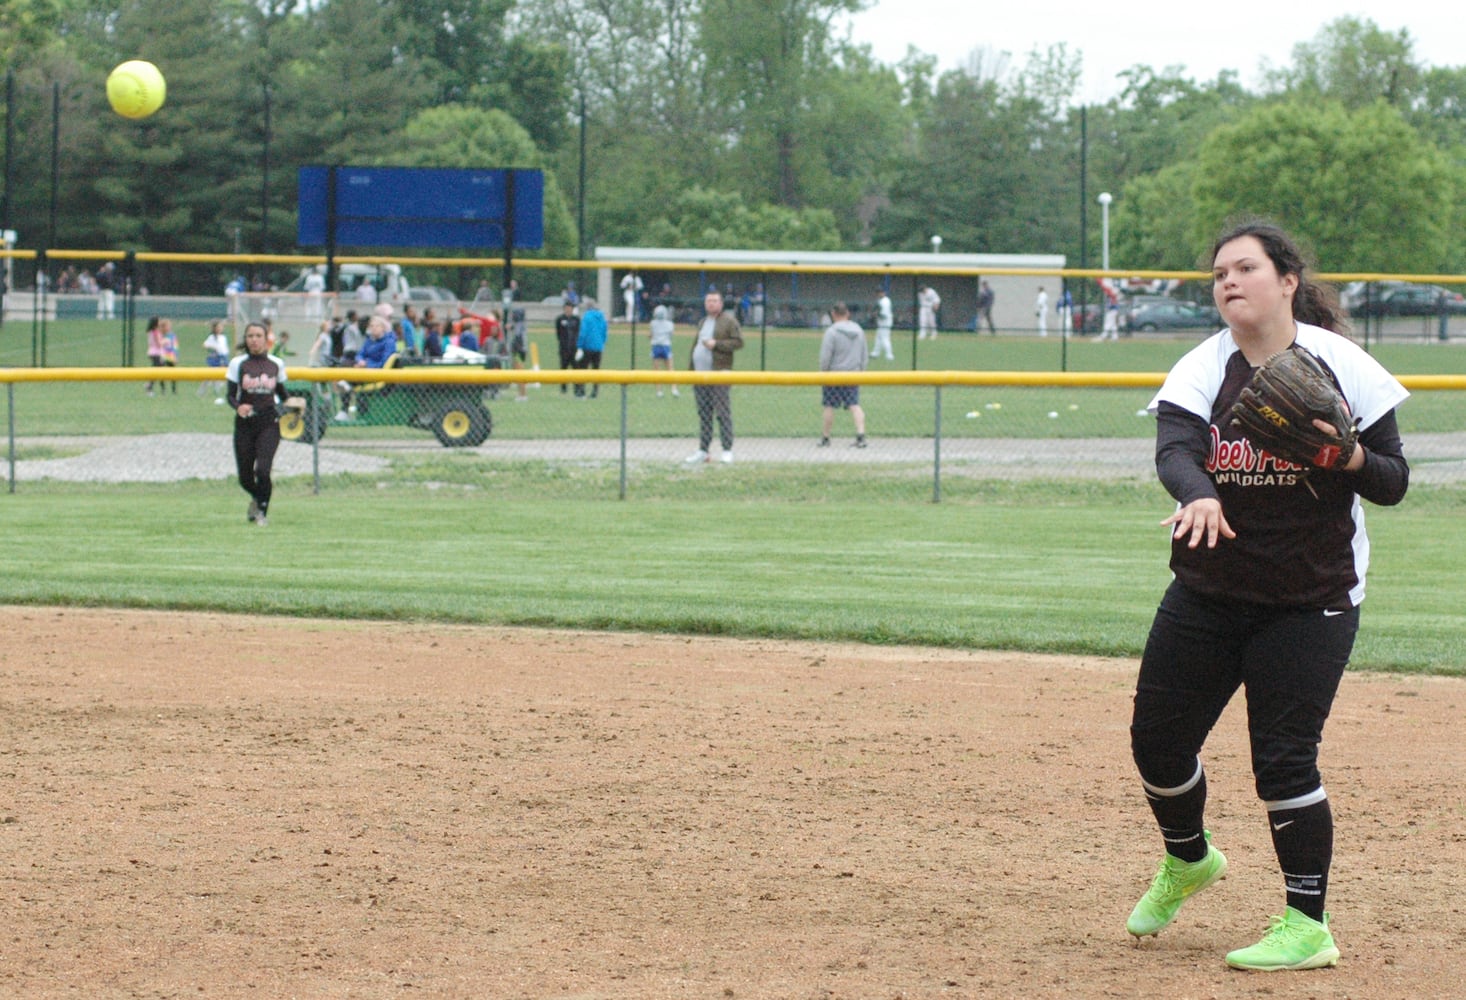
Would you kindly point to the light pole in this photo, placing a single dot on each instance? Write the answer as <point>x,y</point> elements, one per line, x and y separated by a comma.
<point>1104,200</point>
<point>936,244</point>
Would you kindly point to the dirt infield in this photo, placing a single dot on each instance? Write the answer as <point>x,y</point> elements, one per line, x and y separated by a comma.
<point>211,806</point>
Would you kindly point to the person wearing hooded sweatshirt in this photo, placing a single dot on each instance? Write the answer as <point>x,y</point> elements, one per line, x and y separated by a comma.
<point>662,329</point>
<point>843,349</point>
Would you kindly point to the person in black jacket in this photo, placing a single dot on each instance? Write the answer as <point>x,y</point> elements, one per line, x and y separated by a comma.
<point>567,333</point>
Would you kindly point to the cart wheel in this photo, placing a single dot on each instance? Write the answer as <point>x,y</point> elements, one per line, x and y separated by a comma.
<point>306,426</point>
<point>462,426</point>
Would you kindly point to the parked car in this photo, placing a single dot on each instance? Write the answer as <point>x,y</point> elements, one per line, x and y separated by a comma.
<point>1173,315</point>
<point>1089,318</point>
<point>426,295</point>
<point>1399,298</point>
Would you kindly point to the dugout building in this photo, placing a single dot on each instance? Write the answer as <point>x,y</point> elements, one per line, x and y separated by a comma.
<point>799,286</point>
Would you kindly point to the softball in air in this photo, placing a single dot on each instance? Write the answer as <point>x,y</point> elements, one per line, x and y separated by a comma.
<point>135,89</point>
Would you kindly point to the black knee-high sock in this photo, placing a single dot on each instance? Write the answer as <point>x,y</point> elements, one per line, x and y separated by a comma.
<point>1180,818</point>
<point>1304,841</point>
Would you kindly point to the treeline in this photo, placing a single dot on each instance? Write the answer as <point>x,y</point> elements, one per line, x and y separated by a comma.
<point>719,123</point>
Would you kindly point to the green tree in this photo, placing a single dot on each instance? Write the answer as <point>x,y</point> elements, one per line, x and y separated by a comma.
<point>1352,61</point>
<point>155,184</point>
<point>985,174</point>
<point>25,26</point>
<point>1440,112</point>
<point>1360,186</point>
<point>770,64</point>
<point>354,86</point>
<point>1151,222</point>
<point>699,217</point>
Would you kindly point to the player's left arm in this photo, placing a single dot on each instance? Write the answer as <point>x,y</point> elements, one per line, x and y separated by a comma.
<point>1385,475</point>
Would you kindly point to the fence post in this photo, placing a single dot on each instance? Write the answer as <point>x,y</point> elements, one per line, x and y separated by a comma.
<point>625,392</point>
<point>937,450</point>
<point>10,412</point>
<point>315,427</point>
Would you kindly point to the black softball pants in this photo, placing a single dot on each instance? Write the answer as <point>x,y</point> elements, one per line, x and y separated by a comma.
<point>256,439</point>
<point>1201,649</point>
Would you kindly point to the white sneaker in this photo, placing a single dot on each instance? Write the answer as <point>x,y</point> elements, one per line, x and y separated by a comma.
<point>343,415</point>
<point>727,458</point>
<point>697,457</point>
<point>219,402</point>
<point>676,393</point>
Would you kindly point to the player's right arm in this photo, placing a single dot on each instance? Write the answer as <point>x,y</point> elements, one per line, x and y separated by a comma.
<point>1182,442</point>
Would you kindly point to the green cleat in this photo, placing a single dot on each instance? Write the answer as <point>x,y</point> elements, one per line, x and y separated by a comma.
<point>1174,883</point>
<point>1294,941</point>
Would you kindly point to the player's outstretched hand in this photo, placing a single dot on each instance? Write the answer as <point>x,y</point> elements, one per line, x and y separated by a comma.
<point>1200,519</point>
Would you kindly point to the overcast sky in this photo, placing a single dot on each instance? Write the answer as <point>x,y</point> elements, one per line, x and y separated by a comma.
<point>1203,38</point>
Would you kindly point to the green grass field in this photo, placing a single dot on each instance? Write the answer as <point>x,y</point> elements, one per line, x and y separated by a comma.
<point>1073,567</point>
<point>1026,567</point>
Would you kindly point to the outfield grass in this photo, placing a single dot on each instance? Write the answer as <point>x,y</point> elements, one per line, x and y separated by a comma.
<point>1039,567</point>
<point>1045,566</point>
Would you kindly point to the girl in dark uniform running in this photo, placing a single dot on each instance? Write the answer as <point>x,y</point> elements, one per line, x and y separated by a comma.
<point>256,382</point>
<point>1269,572</point>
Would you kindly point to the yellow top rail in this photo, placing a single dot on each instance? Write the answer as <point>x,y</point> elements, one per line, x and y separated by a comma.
<point>474,375</point>
<point>934,269</point>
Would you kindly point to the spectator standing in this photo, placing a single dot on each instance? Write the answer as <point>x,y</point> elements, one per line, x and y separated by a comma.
<point>928,302</point>
<point>885,319</point>
<point>216,355</point>
<point>661,337</point>
<point>170,356</point>
<point>717,338</point>
<point>842,350</point>
<point>315,290</point>
<point>985,299</point>
<point>353,336</point>
<point>366,292</point>
<point>106,282</point>
<point>256,382</point>
<point>590,343</point>
<point>155,350</point>
<point>432,339</point>
<point>567,335</point>
<point>1066,313</point>
<point>409,323</point>
<point>631,285</point>
<point>1111,328</point>
<point>1041,311</point>
<point>320,352</point>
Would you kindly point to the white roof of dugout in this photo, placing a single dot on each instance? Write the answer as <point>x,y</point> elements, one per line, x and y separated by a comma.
<point>754,259</point>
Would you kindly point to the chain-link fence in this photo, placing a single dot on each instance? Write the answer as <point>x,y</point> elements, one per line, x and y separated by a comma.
<point>486,433</point>
<point>945,416</point>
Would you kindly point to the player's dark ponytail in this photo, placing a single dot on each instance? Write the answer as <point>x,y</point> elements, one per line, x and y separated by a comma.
<point>1313,303</point>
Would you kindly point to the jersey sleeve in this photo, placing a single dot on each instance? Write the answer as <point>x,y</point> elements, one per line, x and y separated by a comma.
<point>1369,389</point>
<point>1195,380</point>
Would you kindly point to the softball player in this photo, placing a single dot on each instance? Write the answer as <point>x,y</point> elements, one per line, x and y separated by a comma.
<point>256,380</point>
<point>1269,567</point>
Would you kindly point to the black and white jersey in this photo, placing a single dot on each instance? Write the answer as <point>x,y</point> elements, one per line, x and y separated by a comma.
<point>256,379</point>
<point>1300,538</point>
